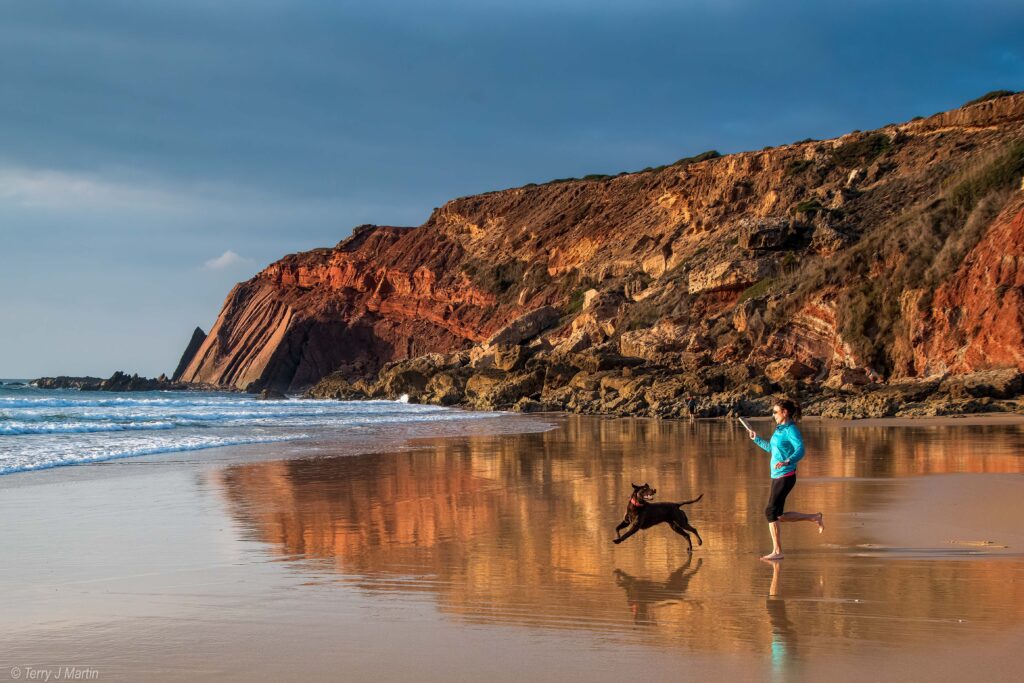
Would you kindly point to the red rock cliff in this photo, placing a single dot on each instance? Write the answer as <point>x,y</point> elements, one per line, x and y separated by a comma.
<point>721,250</point>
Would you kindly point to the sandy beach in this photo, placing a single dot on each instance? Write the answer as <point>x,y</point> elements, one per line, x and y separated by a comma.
<point>487,556</point>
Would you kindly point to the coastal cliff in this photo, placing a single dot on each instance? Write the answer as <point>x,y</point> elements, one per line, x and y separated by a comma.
<point>878,260</point>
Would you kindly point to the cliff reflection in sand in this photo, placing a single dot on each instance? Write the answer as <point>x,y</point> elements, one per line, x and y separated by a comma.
<point>517,529</point>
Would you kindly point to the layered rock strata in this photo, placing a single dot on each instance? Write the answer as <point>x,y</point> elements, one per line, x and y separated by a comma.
<point>881,259</point>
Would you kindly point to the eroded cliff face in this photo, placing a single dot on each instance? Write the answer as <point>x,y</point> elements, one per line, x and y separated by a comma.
<point>748,259</point>
<point>977,316</point>
<point>382,294</point>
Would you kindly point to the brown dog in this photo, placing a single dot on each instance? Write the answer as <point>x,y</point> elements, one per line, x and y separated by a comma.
<point>641,513</point>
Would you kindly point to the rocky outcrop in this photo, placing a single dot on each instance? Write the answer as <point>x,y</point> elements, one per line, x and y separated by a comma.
<point>831,267</point>
<point>601,381</point>
<point>119,381</point>
<point>67,382</point>
<point>198,337</point>
<point>729,275</point>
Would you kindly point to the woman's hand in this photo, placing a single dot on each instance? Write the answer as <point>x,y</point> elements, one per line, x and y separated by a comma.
<point>782,463</point>
<point>752,434</point>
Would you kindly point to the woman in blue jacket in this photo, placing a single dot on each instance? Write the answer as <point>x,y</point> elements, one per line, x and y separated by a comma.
<point>787,449</point>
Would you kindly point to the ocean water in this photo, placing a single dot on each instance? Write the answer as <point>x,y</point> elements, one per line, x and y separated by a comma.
<point>43,428</point>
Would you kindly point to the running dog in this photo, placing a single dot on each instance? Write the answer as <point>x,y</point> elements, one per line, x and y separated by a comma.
<point>641,513</point>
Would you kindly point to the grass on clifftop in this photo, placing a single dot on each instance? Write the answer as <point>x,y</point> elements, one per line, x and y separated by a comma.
<point>685,161</point>
<point>994,95</point>
<point>861,152</point>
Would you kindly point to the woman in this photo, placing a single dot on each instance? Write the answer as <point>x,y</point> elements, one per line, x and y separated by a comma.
<point>787,449</point>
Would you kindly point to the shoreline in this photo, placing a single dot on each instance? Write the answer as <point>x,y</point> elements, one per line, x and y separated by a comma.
<point>251,564</point>
<point>368,441</point>
<point>358,441</point>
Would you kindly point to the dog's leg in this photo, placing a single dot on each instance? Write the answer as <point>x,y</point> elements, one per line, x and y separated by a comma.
<point>635,528</point>
<point>700,541</point>
<point>622,525</point>
<point>682,532</point>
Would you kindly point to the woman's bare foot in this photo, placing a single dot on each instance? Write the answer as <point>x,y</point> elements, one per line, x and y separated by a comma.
<point>821,523</point>
<point>773,556</point>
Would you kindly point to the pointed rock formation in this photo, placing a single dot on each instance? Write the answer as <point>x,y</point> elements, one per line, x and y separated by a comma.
<point>198,337</point>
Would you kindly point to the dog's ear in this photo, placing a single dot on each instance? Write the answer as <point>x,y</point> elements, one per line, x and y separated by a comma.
<point>635,487</point>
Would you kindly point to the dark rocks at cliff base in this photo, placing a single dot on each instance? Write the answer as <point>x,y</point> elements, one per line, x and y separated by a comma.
<point>68,382</point>
<point>270,395</point>
<point>119,381</point>
<point>601,381</point>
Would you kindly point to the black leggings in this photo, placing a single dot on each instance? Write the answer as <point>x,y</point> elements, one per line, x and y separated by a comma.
<point>777,499</point>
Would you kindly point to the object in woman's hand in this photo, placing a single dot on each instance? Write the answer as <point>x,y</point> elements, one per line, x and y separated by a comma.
<point>746,425</point>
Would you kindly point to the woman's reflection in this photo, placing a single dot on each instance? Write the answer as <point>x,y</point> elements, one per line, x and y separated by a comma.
<point>784,640</point>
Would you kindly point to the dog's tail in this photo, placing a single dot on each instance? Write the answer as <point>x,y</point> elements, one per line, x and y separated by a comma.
<point>687,502</point>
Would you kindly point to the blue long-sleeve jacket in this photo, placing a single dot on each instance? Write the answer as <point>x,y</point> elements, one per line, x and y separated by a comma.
<point>786,444</point>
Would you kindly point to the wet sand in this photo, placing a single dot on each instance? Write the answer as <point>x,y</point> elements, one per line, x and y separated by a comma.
<point>488,557</point>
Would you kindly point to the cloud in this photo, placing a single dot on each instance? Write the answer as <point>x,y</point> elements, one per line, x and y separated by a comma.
<point>56,189</point>
<point>225,260</point>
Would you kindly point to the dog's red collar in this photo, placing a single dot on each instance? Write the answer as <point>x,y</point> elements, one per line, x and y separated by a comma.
<point>636,501</point>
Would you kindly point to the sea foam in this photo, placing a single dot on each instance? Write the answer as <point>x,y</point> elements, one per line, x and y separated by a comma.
<point>43,428</point>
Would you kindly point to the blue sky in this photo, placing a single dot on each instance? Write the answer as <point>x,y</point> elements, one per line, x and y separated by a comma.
<point>152,154</point>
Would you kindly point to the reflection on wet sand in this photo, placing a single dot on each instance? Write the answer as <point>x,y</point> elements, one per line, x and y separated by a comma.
<point>643,594</point>
<point>517,529</point>
<point>784,652</point>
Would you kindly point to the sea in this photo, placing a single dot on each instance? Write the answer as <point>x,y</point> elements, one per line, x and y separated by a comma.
<point>46,428</point>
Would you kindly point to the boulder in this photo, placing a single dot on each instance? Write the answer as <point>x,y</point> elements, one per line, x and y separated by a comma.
<point>747,319</point>
<point>576,342</point>
<point>625,386</point>
<point>729,275</point>
<point>826,240</point>
<point>653,343</point>
<point>483,383</point>
<point>598,359</point>
<point>481,357</point>
<point>585,381</point>
<point>558,375</point>
<point>528,405</point>
<point>664,389</point>
<point>493,389</point>
<point>787,369</point>
<point>859,407</point>
<point>501,356</point>
<point>335,385</point>
<point>402,379</point>
<point>738,374</point>
<point>270,395</point>
<point>764,233</point>
<point>654,265</point>
<point>847,378</point>
<point>525,327</point>
<point>445,388</point>
<point>1003,383</point>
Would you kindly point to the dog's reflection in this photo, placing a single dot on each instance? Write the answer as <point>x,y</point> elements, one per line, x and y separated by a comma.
<point>643,594</point>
